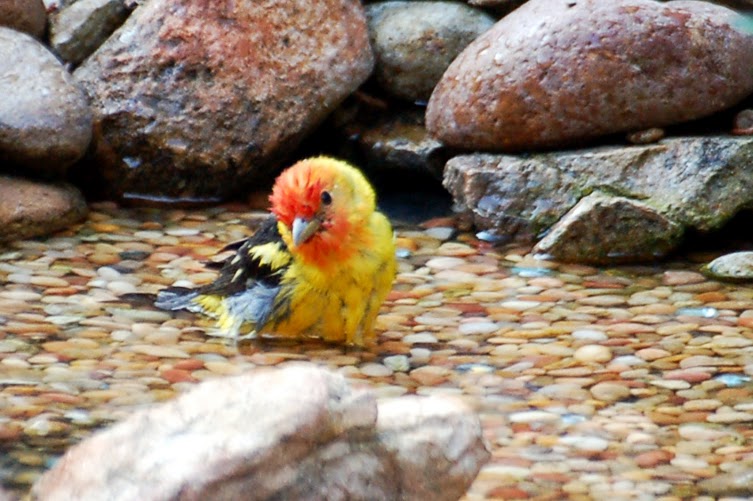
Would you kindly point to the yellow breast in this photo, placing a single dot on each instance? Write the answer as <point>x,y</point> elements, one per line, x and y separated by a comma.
<point>338,303</point>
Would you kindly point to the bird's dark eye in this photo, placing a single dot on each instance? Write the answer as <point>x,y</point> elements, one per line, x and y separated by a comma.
<point>326,198</point>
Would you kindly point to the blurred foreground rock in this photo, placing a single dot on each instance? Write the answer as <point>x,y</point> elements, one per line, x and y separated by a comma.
<point>299,432</point>
<point>682,183</point>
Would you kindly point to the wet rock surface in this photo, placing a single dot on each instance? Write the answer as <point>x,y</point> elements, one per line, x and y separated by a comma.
<point>192,101</point>
<point>257,436</point>
<point>415,42</point>
<point>555,73</point>
<point>45,121</point>
<point>35,208</point>
<point>696,182</point>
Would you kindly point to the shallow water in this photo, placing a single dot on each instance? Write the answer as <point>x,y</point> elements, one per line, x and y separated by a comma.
<point>631,382</point>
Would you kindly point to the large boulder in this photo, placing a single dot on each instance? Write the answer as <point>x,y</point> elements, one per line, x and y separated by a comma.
<point>558,72</point>
<point>31,208</point>
<point>696,182</point>
<point>45,121</point>
<point>299,432</point>
<point>195,99</point>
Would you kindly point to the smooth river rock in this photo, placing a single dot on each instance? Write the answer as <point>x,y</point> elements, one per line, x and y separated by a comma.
<point>34,208</point>
<point>737,266</point>
<point>45,121</point>
<point>556,73</point>
<point>415,41</point>
<point>295,433</point>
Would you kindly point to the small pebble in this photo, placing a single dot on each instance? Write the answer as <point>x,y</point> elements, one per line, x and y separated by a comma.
<point>430,375</point>
<point>533,417</point>
<point>376,370</point>
<point>610,392</point>
<point>591,444</point>
<point>420,338</point>
<point>593,353</point>
<point>397,363</point>
<point>589,335</point>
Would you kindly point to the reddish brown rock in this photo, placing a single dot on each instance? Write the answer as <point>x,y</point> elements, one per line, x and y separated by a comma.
<point>30,209</point>
<point>558,72</point>
<point>28,16</point>
<point>194,98</point>
<point>299,432</point>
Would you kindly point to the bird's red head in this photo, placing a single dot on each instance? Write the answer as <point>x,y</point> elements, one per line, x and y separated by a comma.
<point>322,205</point>
<point>297,193</point>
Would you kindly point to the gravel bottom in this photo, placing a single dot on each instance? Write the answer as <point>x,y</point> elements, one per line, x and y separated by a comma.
<point>627,383</point>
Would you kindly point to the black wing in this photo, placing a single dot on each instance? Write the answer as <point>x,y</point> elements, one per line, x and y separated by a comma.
<point>252,262</point>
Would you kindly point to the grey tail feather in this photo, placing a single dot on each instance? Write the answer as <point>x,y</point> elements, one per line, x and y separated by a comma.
<point>176,298</point>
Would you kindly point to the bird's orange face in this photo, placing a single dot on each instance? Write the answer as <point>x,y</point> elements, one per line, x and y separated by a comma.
<point>320,207</point>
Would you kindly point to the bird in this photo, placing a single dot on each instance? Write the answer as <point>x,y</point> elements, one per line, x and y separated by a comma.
<point>321,265</point>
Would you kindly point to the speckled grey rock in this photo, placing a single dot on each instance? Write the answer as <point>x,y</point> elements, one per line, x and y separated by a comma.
<point>77,30</point>
<point>34,208</point>
<point>45,120</point>
<point>737,266</point>
<point>606,229</point>
<point>697,182</point>
<point>415,41</point>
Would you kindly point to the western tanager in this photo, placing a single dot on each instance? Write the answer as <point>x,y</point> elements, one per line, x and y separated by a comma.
<point>320,266</point>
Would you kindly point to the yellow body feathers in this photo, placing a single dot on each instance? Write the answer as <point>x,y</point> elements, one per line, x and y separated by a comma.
<point>322,266</point>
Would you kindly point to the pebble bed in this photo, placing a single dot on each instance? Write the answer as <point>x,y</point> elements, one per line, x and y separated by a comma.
<point>620,383</point>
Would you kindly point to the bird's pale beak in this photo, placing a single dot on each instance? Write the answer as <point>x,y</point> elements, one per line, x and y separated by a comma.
<point>303,229</point>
